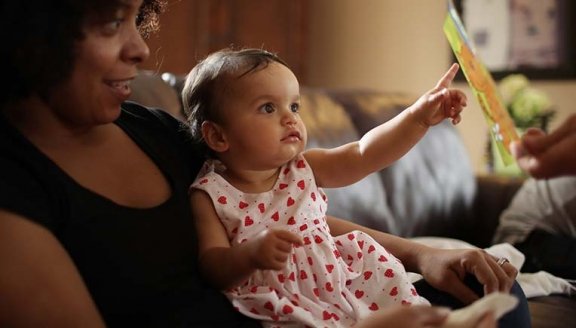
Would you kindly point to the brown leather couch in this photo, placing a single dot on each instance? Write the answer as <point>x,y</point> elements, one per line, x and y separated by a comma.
<point>431,191</point>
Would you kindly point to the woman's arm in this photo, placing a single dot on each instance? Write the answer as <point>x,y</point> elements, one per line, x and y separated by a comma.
<point>405,250</point>
<point>39,284</point>
<point>444,269</point>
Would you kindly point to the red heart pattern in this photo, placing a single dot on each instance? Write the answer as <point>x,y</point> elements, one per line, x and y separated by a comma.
<point>301,184</point>
<point>287,309</point>
<point>275,216</point>
<point>329,268</point>
<point>301,269</point>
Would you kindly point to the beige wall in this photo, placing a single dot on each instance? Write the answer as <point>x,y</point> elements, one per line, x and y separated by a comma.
<point>400,46</point>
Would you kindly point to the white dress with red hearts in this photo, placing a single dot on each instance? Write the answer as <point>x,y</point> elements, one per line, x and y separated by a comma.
<point>327,282</point>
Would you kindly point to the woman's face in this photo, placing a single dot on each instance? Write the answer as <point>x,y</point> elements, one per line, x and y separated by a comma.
<point>106,61</point>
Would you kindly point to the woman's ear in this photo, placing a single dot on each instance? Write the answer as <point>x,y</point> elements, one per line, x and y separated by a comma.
<point>214,137</point>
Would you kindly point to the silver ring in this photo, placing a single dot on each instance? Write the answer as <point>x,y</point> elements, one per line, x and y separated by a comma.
<point>501,261</point>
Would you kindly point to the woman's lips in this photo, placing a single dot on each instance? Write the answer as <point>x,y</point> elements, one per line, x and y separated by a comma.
<point>121,88</point>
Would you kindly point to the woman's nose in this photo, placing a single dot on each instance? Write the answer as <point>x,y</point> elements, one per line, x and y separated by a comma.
<point>136,50</point>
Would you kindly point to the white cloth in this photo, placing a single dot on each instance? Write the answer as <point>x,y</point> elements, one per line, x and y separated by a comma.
<point>533,284</point>
<point>548,205</point>
<point>498,303</point>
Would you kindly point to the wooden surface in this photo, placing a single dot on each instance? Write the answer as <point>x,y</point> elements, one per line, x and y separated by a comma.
<point>191,29</point>
<point>553,312</point>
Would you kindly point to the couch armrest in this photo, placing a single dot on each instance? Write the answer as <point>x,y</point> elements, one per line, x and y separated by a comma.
<point>493,195</point>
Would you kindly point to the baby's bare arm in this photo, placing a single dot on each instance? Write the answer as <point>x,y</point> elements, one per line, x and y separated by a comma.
<point>228,266</point>
<point>386,143</point>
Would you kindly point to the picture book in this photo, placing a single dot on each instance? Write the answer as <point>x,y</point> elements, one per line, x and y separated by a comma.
<point>501,126</point>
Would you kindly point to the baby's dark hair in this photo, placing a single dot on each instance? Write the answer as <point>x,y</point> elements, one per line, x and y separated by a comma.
<point>39,38</point>
<point>205,83</point>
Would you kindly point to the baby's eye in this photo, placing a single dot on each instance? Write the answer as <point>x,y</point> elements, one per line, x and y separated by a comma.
<point>295,107</point>
<point>267,108</point>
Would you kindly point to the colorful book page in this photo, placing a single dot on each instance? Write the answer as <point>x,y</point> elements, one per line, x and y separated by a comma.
<point>501,126</point>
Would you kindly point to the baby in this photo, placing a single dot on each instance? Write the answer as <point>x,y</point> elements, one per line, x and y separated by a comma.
<point>260,212</point>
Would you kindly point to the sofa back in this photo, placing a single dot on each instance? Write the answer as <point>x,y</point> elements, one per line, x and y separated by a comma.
<point>429,191</point>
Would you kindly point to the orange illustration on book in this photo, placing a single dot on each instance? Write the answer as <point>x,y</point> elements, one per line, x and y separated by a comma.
<point>500,124</point>
<point>478,78</point>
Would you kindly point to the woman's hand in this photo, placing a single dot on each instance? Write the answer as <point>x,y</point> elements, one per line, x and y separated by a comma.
<point>271,248</point>
<point>445,270</point>
<point>548,155</point>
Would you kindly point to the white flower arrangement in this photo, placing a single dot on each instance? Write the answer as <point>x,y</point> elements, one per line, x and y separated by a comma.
<point>527,106</point>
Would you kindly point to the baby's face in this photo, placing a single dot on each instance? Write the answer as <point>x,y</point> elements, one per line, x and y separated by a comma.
<point>262,123</point>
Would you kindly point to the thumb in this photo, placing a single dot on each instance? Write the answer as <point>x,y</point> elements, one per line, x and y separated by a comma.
<point>289,237</point>
<point>433,315</point>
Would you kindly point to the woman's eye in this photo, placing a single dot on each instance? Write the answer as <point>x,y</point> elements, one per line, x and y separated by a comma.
<point>113,26</point>
<point>267,108</point>
<point>295,108</point>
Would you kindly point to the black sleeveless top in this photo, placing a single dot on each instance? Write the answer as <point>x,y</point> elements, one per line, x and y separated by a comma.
<point>140,265</point>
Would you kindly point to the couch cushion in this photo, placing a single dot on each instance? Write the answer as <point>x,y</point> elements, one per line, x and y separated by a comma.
<point>328,126</point>
<point>430,190</point>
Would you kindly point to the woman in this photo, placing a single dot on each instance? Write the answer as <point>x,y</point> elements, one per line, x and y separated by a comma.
<point>95,223</point>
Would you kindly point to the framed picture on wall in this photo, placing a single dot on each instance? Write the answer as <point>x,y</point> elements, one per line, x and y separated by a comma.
<point>534,37</point>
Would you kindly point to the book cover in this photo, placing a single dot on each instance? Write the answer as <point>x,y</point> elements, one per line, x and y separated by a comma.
<point>500,124</point>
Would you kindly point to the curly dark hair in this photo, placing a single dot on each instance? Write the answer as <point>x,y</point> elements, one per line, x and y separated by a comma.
<point>207,81</point>
<point>39,36</point>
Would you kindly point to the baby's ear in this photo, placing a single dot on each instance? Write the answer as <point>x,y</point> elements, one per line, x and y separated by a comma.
<point>214,136</point>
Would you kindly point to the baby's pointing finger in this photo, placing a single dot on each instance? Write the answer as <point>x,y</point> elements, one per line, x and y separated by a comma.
<point>447,78</point>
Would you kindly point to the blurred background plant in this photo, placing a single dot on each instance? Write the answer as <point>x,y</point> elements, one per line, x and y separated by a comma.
<point>528,107</point>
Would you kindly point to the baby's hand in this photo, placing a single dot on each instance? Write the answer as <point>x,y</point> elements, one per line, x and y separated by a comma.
<point>440,102</point>
<point>272,249</point>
